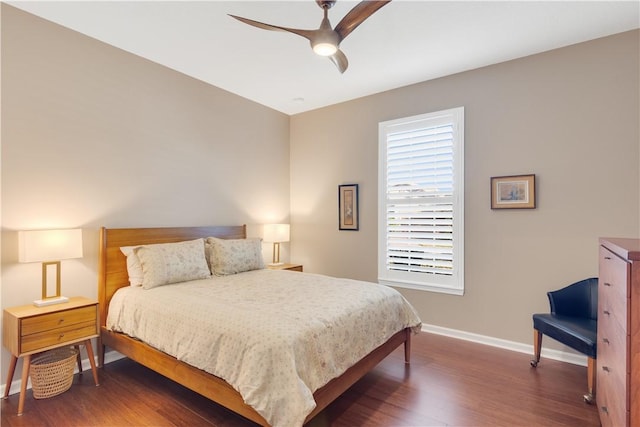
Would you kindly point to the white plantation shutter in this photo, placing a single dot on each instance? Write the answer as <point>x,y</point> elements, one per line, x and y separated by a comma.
<point>421,203</point>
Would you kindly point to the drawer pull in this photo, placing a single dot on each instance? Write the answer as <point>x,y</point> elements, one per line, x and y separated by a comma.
<point>606,312</point>
<point>605,340</point>
<point>60,321</point>
<point>62,336</point>
<point>607,257</point>
<point>605,409</point>
<point>607,284</point>
<point>606,369</point>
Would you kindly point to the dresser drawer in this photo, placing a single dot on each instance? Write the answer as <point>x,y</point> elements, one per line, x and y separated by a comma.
<point>610,407</point>
<point>614,273</point>
<point>612,307</point>
<point>612,354</point>
<point>62,319</point>
<point>58,336</point>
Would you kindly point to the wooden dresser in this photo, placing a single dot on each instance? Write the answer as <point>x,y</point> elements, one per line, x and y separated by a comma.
<point>618,378</point>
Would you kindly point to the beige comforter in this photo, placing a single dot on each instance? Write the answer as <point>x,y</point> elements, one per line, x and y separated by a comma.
<point>275,336</point>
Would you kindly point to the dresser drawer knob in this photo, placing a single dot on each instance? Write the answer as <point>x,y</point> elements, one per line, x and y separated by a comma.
<point>61,320</point>
<point>607,312</point>
<point>607,257</point>
<point>607,284</point>
<point>605,340</point>
<point>604,409</point>
<point>62,336</point>
<point>606,369</point>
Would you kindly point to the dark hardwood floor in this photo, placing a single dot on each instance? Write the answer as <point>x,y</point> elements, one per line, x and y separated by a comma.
<point>449,383</point>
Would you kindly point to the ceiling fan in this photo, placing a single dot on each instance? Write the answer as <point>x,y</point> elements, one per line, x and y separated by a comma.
<point>325,41</point>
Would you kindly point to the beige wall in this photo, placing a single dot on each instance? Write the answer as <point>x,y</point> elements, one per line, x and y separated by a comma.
<point>93,136</point>
<point>570,116</point>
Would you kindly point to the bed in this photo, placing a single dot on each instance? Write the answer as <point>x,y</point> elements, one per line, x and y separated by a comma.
<point>113,276</point>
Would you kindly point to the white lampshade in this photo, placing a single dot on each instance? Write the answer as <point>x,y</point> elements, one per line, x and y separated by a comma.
<point>276,233</point>
<point>49,245</point>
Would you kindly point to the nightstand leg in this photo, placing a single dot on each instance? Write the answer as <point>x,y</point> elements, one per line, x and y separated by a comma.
<point>26,365</point>
<point>87,345</point>
<point>12,370</point>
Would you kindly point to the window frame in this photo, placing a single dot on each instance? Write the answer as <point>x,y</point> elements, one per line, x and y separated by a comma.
<point>453,284</point>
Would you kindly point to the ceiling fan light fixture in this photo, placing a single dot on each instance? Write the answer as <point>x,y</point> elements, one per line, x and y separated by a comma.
<point>325,49</point>
<point>326,39</point>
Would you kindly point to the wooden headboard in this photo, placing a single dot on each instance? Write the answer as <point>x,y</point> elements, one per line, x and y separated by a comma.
<point>112,274</point>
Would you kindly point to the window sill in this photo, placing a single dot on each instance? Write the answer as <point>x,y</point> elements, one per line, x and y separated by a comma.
<point>422,287</point>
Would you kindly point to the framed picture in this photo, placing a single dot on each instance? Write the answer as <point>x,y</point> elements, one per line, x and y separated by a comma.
<point>513,192</point>
<point>348,207</point>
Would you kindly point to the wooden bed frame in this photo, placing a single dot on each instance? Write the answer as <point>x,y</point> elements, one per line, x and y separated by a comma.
<point>113,275</point>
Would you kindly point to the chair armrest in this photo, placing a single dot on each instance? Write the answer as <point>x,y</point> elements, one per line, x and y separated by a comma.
<point>579,299</point>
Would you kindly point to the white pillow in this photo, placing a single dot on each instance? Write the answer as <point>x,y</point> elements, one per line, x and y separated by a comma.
<point>134,269</point>
<point>231,256</point>
<point>167,263</point>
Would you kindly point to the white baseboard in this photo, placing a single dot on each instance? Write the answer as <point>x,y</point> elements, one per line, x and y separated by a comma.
<point>562,356</point>
<point>110,356</point>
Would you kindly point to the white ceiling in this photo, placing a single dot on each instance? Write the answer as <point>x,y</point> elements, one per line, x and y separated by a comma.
<point>405,42</point>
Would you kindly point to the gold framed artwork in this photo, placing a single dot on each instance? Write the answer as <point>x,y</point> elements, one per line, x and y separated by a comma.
<point>348,215</point>
<point>513,192</point>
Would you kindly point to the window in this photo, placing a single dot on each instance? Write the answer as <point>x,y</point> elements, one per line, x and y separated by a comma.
<point>421,202</point>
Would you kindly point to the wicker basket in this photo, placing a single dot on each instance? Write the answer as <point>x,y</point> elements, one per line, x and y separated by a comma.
<point>52,372</point>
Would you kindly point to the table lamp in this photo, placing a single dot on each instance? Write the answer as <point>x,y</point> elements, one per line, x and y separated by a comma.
<point>276,233</point>
<point>49,247</point>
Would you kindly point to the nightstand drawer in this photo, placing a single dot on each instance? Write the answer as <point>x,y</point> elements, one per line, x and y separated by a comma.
<point>62,319</point>
<point>58,336</point>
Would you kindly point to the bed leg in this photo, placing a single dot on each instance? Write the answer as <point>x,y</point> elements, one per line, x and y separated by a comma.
<point>100,347</point>
<point>78,358</point>
<point>407,346</point>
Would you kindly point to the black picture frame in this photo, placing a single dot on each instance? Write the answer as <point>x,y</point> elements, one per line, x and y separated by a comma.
<point>348,211</point>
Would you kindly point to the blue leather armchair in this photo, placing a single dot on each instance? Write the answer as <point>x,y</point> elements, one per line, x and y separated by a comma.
<point>573,321</point>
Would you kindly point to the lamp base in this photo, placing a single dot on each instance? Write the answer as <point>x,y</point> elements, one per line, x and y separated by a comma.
<point>50,301</point>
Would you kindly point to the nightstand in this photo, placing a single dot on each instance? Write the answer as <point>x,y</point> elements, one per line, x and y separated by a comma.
<point>29,329</point>
<point>292,267</point>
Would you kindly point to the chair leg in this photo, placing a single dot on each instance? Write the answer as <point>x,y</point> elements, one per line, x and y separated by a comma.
<point>591,380</point>
<point>537,347</point>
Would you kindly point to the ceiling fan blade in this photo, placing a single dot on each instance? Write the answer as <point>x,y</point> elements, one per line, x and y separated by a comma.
<point>357,16</point>
<point>308,34</point>
<point>340,60</point>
